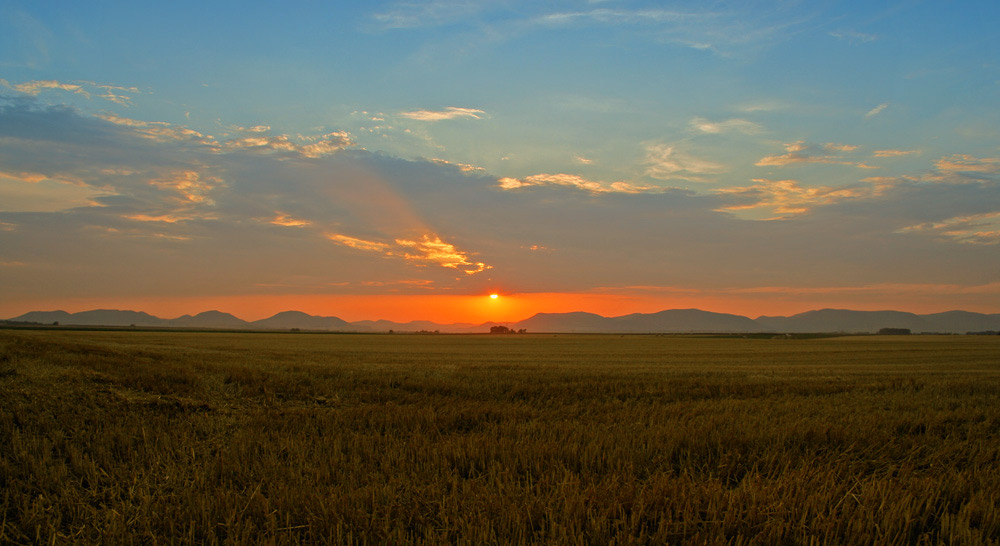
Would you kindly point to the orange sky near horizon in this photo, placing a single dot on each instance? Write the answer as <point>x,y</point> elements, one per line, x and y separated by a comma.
<point>447,309</point>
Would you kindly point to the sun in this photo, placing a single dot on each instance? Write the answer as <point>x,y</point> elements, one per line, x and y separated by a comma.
<point>494,296</point>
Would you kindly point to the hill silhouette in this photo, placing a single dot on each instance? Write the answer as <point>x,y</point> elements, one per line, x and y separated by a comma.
<point>667,321</point>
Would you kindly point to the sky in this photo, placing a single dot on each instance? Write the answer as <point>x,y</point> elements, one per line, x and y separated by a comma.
<point>404,160</point>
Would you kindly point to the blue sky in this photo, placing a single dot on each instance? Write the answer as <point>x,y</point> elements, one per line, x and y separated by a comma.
<point>772,155</point>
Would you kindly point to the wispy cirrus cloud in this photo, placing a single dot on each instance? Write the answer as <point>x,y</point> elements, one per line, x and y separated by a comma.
<point>450,112</point>
<point>974,229</point>
<point>464,167</point>
<point>894,153</point>
<point>403,15</point>
<point>159,131</point>
<point>575,181</point>
<point>801,152</point>
<point>667,162</point>
<point>725,30</point>
<point>877,110</point>
<point>854,37</point>
<point>617,16</point>
<point>734,125</point>
<point>789,197</point>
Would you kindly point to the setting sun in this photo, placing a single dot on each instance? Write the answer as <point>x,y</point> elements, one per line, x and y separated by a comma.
<point>494,296</point>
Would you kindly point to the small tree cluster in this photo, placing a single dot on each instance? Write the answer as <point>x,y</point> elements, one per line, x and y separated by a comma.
<point>506,330</point>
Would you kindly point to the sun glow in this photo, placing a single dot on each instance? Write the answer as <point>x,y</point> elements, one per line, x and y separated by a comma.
<point>494,296</point>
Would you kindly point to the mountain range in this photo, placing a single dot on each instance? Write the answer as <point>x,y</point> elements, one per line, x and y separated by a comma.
<point>669,321</point>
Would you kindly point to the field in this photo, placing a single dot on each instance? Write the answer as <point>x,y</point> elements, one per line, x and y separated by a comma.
<point>214,438</point>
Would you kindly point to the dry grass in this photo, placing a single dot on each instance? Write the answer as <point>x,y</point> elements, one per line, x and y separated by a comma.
<point>189,438</point>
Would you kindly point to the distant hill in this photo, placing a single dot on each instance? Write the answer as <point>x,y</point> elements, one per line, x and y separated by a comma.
<point>208,319</point>
<point>669,321</point>
<point>565,322</point>
<point>97,317</point>
<point>961,321</point>
<point>843,320</point>
<point>44,317</point>
<point>287,320</point>
<point>684,320</point>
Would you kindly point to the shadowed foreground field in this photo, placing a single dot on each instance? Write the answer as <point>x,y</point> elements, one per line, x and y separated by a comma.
<point>205,438</point>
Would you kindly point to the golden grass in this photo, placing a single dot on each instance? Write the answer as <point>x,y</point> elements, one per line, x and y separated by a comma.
<point>207,438</point>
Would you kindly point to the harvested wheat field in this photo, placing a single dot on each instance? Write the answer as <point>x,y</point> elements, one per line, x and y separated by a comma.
<point>127,437</point>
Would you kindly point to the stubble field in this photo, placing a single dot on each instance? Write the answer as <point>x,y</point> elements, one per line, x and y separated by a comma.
<point>227,438</point>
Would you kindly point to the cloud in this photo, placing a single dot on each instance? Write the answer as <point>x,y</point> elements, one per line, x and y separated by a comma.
<point>450,112</point>
<point>728,126</point>
<point>909,289</point>
<point>160,131</point>
<point>464,167</point>
<point>29,178</point>
<point>404,15</point>
<point>974,229</point>
<point>575,181</point>
<point>801,152</point>
<point>840,147</point>
<point>428,249</point>
<point>583,160</point>
<point>877,110</point>
<point>666,162</point>
<point>432,249</point>
<point>166,218</point>
<point>854,37</point>
<point>964,163</point>
<point>894,153</point>
<point>730,31</point>
<point>188,187</point>
<point>789,197</point>
<point>35,87</point>
<point>613,16</point>
<point>325,145</point>
<point>282,219</point>
<point>358,244</point>
<point>113,93</point>
<point>181,216</point>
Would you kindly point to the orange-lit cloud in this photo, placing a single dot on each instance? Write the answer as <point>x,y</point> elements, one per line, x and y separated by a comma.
<point>464,167</point>
<point>159,131</point>
<point>975,229</point>
<point>968,163</point>
<point>30,178</point>
<point>789,197</point>
<point>166,218</point>
<point>575,181</point>
<point>37,86</point>
<point>429,249</point>
<point>833,146</point>
<point>114,93</point>
<point>282,219</point>
<point>359,244</point>
<point>894,153</point>
<point>189,187</point>
<point>800,153</point>
<point>434,250</point>
<point>324,145</point>
<point>450,112</point>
